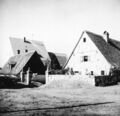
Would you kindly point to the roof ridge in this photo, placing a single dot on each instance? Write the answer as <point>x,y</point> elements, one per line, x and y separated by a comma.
<point>29,40</point>
<point>93,33</point>
<point>114,40</point>
<point>101,36</point>
<point>61,54</point>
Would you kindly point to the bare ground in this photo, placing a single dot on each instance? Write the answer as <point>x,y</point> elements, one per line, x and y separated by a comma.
<point>84,101</point>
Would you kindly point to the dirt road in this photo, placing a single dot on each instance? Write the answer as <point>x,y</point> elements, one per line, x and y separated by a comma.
<point>91,101</point>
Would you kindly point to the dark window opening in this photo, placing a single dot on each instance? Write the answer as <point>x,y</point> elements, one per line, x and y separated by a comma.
<point>84,39</point>
<point>92,73</point>
<point>26,50</point>
<point>102,72</point>
<point>85,58</point>
<point>18,51</point>
<point>12,66</point>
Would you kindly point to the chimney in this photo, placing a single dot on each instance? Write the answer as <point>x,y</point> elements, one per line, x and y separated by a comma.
<point>24,39</point>
<point>106,36</point>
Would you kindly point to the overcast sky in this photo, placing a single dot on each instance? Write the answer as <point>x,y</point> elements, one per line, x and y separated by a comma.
<point>58,23</point>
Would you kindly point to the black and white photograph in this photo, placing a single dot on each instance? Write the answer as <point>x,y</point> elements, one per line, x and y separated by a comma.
<point>59,57</point>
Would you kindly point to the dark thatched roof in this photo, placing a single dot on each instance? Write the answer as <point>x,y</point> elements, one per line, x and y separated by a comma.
<point>110,49</point>
<point>62,58</point>
<point>54,61</point>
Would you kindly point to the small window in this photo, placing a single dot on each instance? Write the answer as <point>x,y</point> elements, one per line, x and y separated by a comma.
<point>92,73</point>
<point>85,58</point>
<point>11,66</point>
<point>102,72</point>
<point>18,51</point>
<point>84,39</point>
<point>26,50</point>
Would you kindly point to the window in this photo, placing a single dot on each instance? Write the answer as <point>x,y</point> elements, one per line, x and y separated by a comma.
<point>92,73</point>
<point>26,50</point>
<point>102,72</point>
<point>11,66</point>
<point>18,51</point>
<point>85,58</point>
<point>84,39</point>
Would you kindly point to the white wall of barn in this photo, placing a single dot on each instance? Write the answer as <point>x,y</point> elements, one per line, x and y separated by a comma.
<point>96,61</point>
<point>19,44</point>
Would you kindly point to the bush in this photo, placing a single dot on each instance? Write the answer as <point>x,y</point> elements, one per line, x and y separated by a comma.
<point>105,80</point>
<point>7,81</point>
<point>57,72</point>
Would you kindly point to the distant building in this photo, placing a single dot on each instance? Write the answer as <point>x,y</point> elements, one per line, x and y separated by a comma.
<point>22,46</point>
<point>30,61</point>
<point>95,54</point>
<point>54,61</point>
<point>62,58</point>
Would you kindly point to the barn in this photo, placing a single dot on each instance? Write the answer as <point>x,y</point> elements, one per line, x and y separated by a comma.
<point>22,62</point>
<point>49,59</point>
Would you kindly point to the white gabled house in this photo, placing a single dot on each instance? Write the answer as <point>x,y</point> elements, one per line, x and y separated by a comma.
<point>94,54</point>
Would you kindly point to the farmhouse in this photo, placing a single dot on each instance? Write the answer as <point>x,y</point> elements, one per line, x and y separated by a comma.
<point>31,58</point>
<point>95,54</point>
<point>22,46</point>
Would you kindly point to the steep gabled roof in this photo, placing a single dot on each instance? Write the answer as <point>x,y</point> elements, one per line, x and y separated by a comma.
<point>37,45</point>
<point>19,61</point>
<point>110,49</point>
<point>62,58</point>
<point>40,48</point>
<point>54,61</point>
<point>115,43</point>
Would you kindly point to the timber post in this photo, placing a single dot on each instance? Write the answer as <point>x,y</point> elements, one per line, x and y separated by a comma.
<point>28,77</point>
<point>21,76</point>
<point>46,75</point>
<point>47,72</point>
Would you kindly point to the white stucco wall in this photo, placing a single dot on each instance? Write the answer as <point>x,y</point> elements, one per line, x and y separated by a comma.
<point>96,61</point>
<point>19,44</point>
<point>71,78</point>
